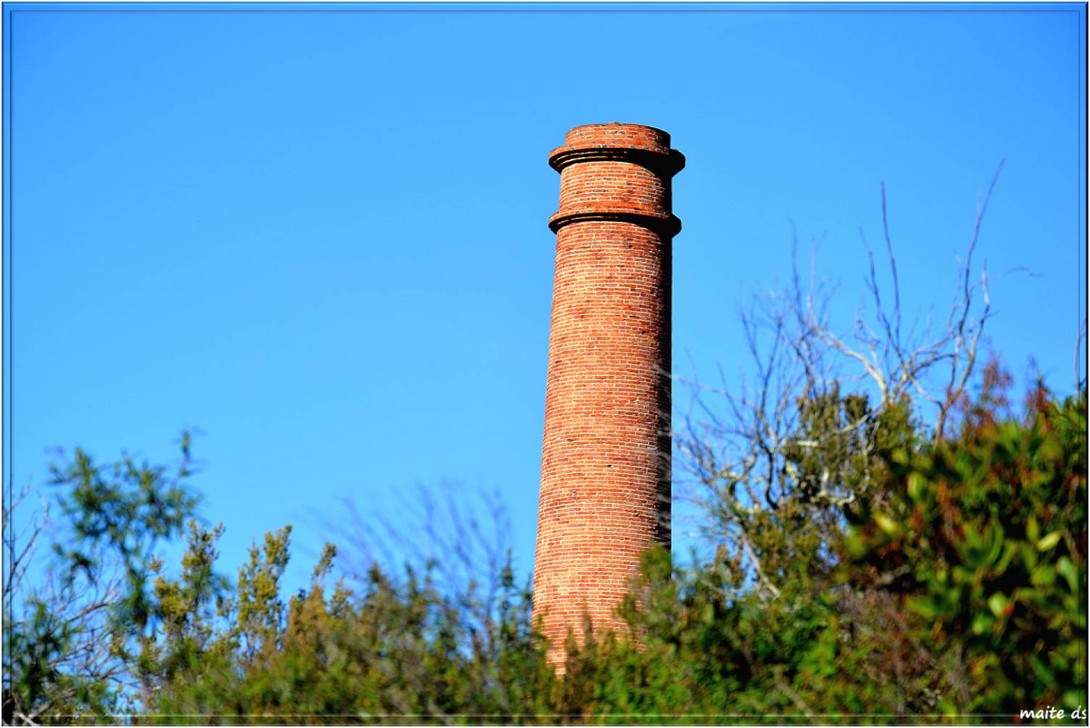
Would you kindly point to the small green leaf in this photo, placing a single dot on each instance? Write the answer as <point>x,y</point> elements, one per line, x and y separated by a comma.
<point>1033,530</point>
<point>887,524</point>
<point>995,543</point>
<point>1073,699</point>
<point>1029,555</point>
<point>923,606</point>
<point>1049,541</point>
<point>1066,569</point>
<point>1043,576</point>
<point>1010,548</point>
<point>997,603</point>
<point>916,485</point>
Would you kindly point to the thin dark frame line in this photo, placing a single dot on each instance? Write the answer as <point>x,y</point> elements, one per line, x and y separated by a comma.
<point>376,716</point>
<point>8,319</point>
<point>1082,338</point>
<point>553,6</point>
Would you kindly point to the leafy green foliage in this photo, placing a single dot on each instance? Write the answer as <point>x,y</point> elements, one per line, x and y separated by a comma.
<point>985,540</point>
<point>388,650</point>
<point>74,643</point>
<point>894,576</point>
<point>186,610</point>
<point>952,587</point>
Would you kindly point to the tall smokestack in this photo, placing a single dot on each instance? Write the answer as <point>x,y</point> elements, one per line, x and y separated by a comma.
<point>605,472</point>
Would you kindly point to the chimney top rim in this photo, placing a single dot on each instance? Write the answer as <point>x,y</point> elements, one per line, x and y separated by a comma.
<point>619,125</point>
<point>664,161</point>
<point>617,135</point>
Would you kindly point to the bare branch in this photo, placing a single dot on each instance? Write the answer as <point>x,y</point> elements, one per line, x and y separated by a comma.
<point>966,331</point>
<point>896,338</point>
<point>1080,377</point>
<point>746,444</point>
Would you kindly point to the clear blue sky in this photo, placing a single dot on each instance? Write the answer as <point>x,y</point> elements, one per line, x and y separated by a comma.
<point>318,233</point>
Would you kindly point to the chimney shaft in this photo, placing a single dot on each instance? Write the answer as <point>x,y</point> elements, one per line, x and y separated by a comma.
<point>605,473</point>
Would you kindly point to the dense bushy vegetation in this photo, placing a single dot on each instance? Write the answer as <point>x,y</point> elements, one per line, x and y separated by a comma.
<point>956,587</point>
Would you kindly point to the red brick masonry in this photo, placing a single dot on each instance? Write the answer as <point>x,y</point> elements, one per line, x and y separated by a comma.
<point>605,473</point>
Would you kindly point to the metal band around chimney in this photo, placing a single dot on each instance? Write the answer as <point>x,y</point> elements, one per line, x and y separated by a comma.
<point>667,163</point>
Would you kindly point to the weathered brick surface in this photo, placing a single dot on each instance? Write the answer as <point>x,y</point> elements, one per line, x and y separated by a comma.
<point>605,474</point>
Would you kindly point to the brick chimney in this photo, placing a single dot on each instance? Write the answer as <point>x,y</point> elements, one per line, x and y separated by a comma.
<point>605,472</point>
